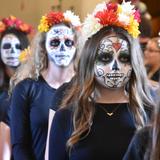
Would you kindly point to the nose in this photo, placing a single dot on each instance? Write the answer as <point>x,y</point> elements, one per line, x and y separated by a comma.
<point>12,50</point>
<point>62,48</point>
<point>115,66</point>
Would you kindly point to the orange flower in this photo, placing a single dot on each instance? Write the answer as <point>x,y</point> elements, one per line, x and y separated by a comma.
<point>55,18</point>
<point>2,26</point>
<point>13,22</point>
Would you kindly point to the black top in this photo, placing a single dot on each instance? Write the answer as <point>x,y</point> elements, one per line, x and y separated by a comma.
<point>4,107</point>
<point>60,93</point>
<point>30,105</point>
<point>139,144</point>
<point>156,76</point>
<point>108,139</point>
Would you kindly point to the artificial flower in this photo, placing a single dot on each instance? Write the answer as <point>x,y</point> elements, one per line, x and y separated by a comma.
<point>13,22</point>
<point>53,18</point>
<point>105,14</point>
<point>43,26</point>
<point>2,27</point>
<point>90,26</point>
<point>25,54</point>
<point>72,18</point>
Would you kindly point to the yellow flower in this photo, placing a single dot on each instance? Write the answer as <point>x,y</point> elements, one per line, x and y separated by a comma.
<point>24,55</point>
<point>133,27</point>
<point>119,10</point>
<point>43,26</point>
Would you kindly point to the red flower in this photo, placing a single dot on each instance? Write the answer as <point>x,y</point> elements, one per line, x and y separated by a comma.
<point>55,17</point>
<point>112,6</point>
<point>13,22</point>
<point>107,17</point>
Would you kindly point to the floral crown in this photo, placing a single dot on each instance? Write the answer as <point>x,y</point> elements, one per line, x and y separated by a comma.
<point>53,18</point>
<point>13,22</point>
<point>122,15</point>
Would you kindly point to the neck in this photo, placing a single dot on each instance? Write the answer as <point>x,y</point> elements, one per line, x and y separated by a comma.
<point>153,69</point>
<point>107,95</point>
<point>55,76</point>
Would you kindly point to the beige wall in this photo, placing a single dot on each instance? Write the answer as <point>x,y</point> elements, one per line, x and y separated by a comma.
<point>31,10</point>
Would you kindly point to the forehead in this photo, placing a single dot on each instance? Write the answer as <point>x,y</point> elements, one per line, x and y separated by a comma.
<point>10,38</point>
<point>60,30</point>
<point>113,41</point>
<point>152,43</point>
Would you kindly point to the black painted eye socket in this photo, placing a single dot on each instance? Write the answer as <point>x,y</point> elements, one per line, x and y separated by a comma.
<point>124,58</point>
<point>55,42</point>
<point>105,57</point>
<point>7,46</point>
<point>18,46</point>
<point>69,43</point>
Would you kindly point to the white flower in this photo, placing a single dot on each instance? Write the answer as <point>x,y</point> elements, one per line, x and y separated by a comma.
<point>90,26</point>
<point>123,18</point>
<point>75,20</point>
<point>99,7</point>
<point>127,8</point>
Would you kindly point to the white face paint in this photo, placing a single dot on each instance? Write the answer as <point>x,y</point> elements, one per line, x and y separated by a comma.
<point>60,45</point>
<point>10,50</point>
<point>113,67</point>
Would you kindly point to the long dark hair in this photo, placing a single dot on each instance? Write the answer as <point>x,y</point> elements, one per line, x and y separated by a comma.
<point>4,78</point>
<point>81,95</point>
<point>24,41</point>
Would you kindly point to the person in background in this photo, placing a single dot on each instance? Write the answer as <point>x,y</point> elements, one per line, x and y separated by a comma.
<point>108,99</point>
<point>145,28</point>
<point>152,58</point>
<point>53,53</point>
<point>13,39</point>
<point>145,144</point>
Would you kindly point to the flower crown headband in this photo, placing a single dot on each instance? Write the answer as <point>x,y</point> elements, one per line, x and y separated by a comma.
<point>105,14</point>
<point>53,18</point>
<point>13,22</point>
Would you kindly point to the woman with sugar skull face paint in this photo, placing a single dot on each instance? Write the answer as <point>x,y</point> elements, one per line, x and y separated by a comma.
<point>13,39</point>
<point>105,102</point>
<point>53,54</point>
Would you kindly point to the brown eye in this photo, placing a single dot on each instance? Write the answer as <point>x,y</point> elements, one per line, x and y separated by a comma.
<point>69,43</point>
<point>104,57</point>
<point>55,42</point>
<point>7,46</point>
<point>124,58</point>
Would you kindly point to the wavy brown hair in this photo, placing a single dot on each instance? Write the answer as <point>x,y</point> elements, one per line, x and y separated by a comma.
<point>38,61</point>
<point>83,89</point>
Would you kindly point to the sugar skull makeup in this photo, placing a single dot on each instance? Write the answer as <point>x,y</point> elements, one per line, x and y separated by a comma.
<point>60,45</point>
<point>10,50</point>
<point>112,66</point>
